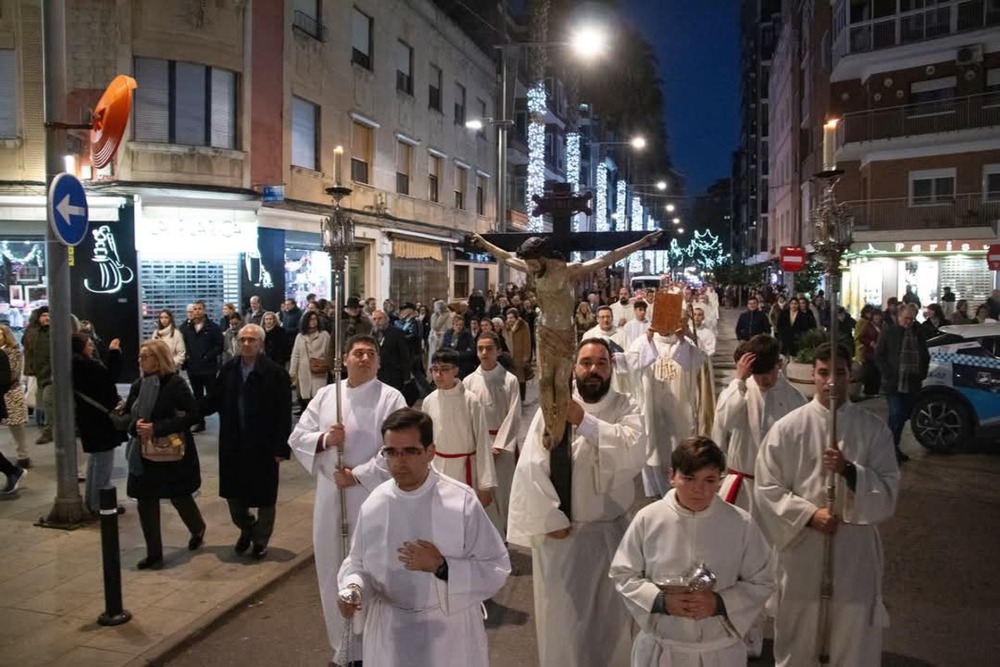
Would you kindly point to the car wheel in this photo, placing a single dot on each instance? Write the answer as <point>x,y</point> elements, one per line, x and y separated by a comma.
<point>941,423</point>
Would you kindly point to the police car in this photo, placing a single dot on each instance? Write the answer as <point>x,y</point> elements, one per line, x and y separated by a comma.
<point>961,396</point>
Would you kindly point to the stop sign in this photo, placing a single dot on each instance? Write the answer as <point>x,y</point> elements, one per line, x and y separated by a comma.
<point>793,258</point>
<point>993,257</point>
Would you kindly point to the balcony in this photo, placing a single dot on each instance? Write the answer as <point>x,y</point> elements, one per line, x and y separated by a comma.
<point>964,211</point>
<point>910,120</point>
<point>945,18</point>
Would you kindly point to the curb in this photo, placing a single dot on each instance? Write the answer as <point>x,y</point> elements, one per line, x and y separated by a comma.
<point>168,647</point>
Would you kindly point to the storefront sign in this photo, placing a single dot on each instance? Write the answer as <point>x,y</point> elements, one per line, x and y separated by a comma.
<point>273,193</point>
<point>111,272</point>
<point>939,246</point>
<point>167,231</point>
<point>993,257</point>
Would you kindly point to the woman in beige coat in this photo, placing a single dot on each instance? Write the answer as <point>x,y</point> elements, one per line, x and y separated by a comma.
<point>310,343</point>
<point>518,338</point>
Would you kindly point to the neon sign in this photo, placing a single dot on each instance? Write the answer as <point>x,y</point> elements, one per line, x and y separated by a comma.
<point>114,274</point>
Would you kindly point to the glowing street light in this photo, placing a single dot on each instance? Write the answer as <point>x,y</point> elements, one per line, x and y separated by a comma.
<point>670,208</point>
<point>638,143</point>
<point>680,231</point>
<point>589,42</point>
<point>676,221</point>
<point>661,185</point>
<point>474,124</point>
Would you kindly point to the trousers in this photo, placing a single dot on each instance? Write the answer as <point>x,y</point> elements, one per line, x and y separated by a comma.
<point>149,520</point>
<point>260,527</point>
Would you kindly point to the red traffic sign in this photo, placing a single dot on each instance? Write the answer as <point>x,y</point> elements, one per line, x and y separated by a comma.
<point>793,258</point>
<point>993,257</point>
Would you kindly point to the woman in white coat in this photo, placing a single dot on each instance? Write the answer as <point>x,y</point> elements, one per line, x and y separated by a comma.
<point>311,343</point>
<point>166,330</point>
<point>440,323</point>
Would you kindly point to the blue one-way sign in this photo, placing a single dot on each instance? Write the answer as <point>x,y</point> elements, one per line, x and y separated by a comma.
<point>67,209</point>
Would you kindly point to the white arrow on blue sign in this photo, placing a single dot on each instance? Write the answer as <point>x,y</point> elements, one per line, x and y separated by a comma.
<point>68,214</point>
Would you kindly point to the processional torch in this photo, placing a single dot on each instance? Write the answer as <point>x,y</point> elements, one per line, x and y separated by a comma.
<point>338,241</point>
<point>833,226</point>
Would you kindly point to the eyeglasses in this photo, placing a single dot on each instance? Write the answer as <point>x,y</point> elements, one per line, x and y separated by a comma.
<point>407,452</point>
<point>442,369</point>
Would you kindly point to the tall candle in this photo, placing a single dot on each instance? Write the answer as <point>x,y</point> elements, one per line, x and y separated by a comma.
<point>338,153</point>
<point>830,145</point>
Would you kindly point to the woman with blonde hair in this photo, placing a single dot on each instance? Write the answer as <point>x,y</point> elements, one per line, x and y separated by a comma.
<point>17,409</point>
<point>161,405</point>
<point>167,331</point>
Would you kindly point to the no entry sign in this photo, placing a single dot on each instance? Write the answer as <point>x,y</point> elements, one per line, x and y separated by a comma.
<point>993,257</point>
<point>793,258</point>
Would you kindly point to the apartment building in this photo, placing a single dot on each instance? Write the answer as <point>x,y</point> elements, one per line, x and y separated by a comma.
<point>218,190</point>
<point>916,86</point>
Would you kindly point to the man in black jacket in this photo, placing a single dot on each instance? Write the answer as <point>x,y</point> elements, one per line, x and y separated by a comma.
<point>903,359</point>
<point>394,352</point>
<point>253,397</point>
<point>752,321</point>
<point>203,345</point>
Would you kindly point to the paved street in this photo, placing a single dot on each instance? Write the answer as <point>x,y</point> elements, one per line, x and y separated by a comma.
<point>942,591</point>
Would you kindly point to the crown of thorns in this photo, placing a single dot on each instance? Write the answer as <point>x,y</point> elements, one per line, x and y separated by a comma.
<point>538,247</point>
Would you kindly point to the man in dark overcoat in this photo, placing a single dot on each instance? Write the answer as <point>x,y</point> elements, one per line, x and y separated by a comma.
<point>253,397</point>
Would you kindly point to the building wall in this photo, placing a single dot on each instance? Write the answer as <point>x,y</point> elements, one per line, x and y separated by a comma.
<point>783,210</point>
<point>890,178</point>
<point>23,158</point>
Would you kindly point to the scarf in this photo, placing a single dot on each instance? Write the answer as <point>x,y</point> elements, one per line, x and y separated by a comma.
<point>141,409</point>
<point>909,363</point>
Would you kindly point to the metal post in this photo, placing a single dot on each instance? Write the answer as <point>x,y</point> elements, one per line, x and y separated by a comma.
<point>68,510</point>
<point>113,612</point>
<point>502,128</point>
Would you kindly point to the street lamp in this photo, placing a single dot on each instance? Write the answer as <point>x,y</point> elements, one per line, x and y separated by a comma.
<point>589,42</point>
<point>670,208</point>
<point>676,221</point>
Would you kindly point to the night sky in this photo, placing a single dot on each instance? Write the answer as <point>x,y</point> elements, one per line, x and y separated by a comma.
<point>697,44</point>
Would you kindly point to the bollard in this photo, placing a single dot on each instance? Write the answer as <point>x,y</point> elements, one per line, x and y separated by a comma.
<point>113,612</point>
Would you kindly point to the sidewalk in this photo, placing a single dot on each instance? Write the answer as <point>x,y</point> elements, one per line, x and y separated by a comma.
<point>51,581</point>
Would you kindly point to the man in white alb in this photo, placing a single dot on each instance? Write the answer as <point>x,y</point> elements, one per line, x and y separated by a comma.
<point>606,330</point>
<point>423,559</point>
<point>675,404</point>
<point>579,618</point>
<point>622,309</point>
<point>704,335</point>
<point>790,498</point>
<point>461,435</point>
<point>636,327</point>
<point>497,390</point>
<point>315,441</point>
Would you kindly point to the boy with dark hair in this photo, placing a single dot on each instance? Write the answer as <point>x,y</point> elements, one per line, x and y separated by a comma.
<point>693,557</point>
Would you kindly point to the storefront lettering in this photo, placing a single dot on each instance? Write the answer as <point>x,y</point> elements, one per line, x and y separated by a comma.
<point>114,274</point>
<point>933,247</point>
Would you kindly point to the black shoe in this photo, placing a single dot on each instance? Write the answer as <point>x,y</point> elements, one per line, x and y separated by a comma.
<point>242,544</point>
<point>196,540</point>
<point>901,457</point>
<point>120,509</point>
<point>259,551</point>
<point>198,428</point>
<point>24,463</point>
<point>151,563</point>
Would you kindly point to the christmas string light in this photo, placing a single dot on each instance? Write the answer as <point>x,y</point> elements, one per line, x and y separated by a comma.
<point>601,199</point>
<point>637,259</point>
<point>536,152</point>
<point>621,213</point>
<point>573,169</point>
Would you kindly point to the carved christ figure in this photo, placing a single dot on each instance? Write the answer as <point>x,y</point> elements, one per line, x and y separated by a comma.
<point>555,282</point>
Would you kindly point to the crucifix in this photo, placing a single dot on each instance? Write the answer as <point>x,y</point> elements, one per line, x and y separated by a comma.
<point>544,258</point>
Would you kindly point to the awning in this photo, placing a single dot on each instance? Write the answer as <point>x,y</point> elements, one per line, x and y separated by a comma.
<point>406,249</point>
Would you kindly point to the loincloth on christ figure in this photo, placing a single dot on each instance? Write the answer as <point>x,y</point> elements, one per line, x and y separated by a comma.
<point>553,344</point>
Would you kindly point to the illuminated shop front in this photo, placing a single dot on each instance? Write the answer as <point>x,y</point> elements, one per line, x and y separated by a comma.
<point>877,271</point>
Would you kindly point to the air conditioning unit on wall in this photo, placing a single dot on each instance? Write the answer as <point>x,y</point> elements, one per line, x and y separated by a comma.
<point>969,55</point>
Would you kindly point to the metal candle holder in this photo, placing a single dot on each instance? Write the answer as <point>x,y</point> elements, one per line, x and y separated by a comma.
<point>834,231</point>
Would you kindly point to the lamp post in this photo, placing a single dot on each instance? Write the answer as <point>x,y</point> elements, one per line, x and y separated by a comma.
<point>337,232</point>
<point>834,230</point>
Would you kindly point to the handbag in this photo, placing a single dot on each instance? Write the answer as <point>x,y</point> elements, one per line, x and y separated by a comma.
<point>318,366</point>
<point>120,419</point>
<point>31,393</point>
<point>164,449</point>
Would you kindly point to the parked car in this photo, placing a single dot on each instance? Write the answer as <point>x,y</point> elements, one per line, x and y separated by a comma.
<point>961,396</point>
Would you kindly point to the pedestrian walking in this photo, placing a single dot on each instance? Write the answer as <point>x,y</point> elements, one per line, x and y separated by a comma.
<point>14,400</point>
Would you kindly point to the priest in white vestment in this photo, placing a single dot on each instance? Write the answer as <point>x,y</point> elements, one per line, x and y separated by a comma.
<point>605,329</point>
<point>497,390</point>
<point>423,559</point>
<point>666,541</point>
<point>579,618</point>
<point>461,436</point>
<point>366,403</point>
<point>756,398</point>
<point>622,310</point>
<point>790,497</point>
<point>675,401</point>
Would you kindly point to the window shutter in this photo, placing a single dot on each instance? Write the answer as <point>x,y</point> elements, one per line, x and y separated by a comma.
<point>223,108</point>
<point>303,133</point>
<point>190,126</point>
<point>152,100</point>
<point>8,94</point>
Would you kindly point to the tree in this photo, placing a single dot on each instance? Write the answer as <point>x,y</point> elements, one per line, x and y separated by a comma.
<point>808,279</point>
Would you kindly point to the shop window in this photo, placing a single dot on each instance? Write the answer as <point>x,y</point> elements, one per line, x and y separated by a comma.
<point>461,186</point>
<point>932,97</point>
<point>404,158</point>
<point>305,133</point>
<point>932,187</point>
<point>433,178</point>
<point>361,39</point>
<point>459,104</point>
<point>184,103</point>
<point>434,89</point>
<point>991,182</point>
<point>361,153</point>
<point>8,94</point>
<point>404,67</point>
